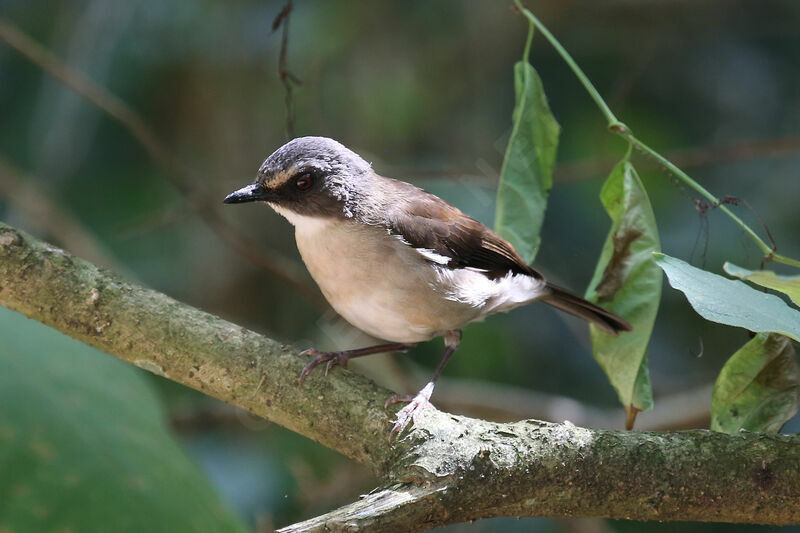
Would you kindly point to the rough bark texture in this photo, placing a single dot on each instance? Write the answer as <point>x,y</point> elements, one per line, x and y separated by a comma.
<point>459,469</point>
<point>448,468</point>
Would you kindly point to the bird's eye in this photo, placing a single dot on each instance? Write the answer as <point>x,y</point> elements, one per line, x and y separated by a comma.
<point>304,181</point>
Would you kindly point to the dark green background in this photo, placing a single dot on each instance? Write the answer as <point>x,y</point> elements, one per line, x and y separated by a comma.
<point>424,91</point>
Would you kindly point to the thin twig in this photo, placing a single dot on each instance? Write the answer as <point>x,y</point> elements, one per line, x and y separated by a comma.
<point>702,156</point>
<point>286,77</point>
<point>498,402</point>
<point>272,262</point>
<point>773,245</point>
<point>703,206</point>
<point>690,158</point>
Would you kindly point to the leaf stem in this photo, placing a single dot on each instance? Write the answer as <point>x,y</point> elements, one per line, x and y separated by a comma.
<point>587,84</point>
<point>526,54</point>
<point>619,128</point>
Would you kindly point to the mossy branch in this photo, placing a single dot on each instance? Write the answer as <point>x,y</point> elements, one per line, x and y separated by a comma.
<point>448,468</point>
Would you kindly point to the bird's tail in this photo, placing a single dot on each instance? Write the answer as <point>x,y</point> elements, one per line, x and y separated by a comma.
<point>575,305</point>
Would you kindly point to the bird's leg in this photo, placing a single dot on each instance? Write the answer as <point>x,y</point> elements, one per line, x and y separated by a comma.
<point>341,358</point>
<point>416,403</point>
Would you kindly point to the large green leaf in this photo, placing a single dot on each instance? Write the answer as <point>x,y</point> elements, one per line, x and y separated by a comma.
<point>758,388</point>
<point>628,282</point>
<point>789,285</point>
<point>84,446</point>
<point>527,174</point>
<point>729,301</point>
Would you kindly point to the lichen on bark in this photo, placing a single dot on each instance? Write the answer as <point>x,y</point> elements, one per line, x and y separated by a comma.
<point>448,468</point>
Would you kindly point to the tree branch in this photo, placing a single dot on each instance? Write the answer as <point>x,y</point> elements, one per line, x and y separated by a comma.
<point>447,468</point>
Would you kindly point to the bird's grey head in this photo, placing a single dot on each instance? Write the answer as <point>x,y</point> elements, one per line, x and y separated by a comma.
<point>311,176</point>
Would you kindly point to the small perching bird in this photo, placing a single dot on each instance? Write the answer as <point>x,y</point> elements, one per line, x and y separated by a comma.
<point>395,261</point>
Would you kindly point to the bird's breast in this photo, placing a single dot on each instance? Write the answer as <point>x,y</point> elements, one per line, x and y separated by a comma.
<point>378,284</point>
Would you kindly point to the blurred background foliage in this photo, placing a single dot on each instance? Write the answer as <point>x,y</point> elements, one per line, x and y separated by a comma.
<point>424,91</point>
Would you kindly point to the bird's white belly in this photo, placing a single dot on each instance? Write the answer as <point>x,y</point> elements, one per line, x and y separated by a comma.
<point>390,290</point>
<point>377,283</point>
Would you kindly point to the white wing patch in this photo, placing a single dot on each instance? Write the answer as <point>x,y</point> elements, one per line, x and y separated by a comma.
<point>430,255</point>
<point>398,237</point>
<point>427,253</point>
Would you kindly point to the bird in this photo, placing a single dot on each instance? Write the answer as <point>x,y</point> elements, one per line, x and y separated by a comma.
<point>395,261</point>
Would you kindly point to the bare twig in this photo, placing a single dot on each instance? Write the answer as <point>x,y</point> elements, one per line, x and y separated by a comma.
<point>685,409</point>
<point>274,262</point>
<point>591,168</point>
<point>503,403</point>
<point>703,206</point>
<point>286,77</point>
<point>690,158</point>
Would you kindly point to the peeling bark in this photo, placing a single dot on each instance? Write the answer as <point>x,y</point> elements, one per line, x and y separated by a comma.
<point>458,469</point>
<point>446,469</point>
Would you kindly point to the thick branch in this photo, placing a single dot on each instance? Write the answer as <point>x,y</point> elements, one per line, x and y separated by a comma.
<point>344,412</point>
<point>448,468</point>
<point>466,469</point>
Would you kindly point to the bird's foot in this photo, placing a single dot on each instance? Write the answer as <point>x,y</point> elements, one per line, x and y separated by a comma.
<point>332,358</point>
<point>409,413</point>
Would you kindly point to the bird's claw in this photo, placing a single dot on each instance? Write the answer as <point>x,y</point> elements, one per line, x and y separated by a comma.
<point>398,398</point>
<point>332,358</point>
<point>409,413</point>
<point>333,362</point>
<point>310,351</point>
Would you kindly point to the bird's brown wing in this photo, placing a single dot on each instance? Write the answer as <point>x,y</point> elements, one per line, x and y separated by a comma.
<point>427,222</point>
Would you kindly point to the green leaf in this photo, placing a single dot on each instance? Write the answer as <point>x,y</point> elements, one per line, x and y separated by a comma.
<point>84,446</point>
<point>527,174</point>
<point>789,285</point>
<point>627,282</point>
<point>758,389</point>
<point>729,301</point>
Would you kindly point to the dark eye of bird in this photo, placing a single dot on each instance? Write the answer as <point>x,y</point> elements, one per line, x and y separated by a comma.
<point>304,181</point>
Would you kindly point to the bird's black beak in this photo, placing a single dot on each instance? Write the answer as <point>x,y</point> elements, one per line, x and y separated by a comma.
<point>251,193</point>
